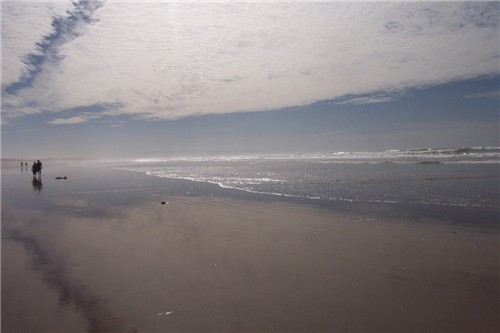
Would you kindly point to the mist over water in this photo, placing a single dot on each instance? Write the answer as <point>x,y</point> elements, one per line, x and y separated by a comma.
<point>455,177</point>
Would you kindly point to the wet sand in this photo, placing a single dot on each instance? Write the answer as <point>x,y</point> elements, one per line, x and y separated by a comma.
<point>91,254</point>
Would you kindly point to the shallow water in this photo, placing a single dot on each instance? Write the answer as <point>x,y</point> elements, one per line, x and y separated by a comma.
<point>466,177</point>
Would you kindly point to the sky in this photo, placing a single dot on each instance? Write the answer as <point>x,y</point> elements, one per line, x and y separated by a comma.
<point>121,79</point>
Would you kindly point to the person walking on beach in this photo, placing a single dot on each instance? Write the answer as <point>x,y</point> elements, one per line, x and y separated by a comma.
<point>39,167</point>
<point>34,169</point>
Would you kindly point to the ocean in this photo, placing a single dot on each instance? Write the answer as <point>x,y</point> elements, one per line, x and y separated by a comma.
<point>467,177</point>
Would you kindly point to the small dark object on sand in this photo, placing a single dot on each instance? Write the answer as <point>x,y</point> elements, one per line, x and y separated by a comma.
<point>163,202</point>
<point>62,177</point>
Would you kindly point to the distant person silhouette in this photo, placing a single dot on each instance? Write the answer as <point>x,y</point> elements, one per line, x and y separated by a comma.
<point>39,167</point>
<point>34,169</point>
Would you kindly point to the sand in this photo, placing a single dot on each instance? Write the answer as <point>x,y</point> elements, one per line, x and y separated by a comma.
<point>82,255</point>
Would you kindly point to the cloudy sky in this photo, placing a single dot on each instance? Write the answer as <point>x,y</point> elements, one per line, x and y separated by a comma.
<point>136,79</point>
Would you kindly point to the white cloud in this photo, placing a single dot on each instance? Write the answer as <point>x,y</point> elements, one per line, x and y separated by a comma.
<point>490,94</point>
<point>68,121</point>
<point>171,60</point>
<point>331,133</point>
<point>367,100</point>
<point>23,25</point>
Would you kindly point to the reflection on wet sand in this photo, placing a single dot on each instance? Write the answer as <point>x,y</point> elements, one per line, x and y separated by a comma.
<point>72,293</point>
<point>37,183</point>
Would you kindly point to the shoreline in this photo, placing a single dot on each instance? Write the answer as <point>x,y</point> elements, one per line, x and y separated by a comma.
<point>115,259</point>
<point>481,217</point>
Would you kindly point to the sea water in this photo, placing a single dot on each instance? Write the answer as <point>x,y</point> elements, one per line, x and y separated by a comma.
<point>454,177</point>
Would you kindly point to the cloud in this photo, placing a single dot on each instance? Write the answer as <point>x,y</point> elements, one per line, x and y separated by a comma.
<point>370,99</point>
<point>68,121</point>
<point>64,29</point>
<point>168,60</point>
<point>490,94</point>
<point>331,133</point>
<point>103,112</point>
<point>24,25</point>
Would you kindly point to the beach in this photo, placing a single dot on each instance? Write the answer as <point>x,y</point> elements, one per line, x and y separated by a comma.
<point>118,251</point>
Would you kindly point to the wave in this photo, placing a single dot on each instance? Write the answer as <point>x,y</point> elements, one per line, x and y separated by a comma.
<point>447,155</point>
<point>458,151</point>
<point>473,155</point>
